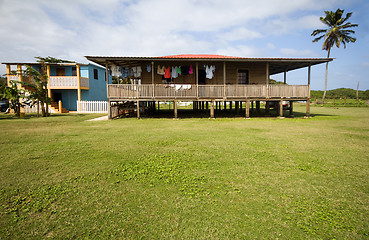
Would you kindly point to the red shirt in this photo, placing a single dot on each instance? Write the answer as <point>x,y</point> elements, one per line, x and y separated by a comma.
<point>167,72</point>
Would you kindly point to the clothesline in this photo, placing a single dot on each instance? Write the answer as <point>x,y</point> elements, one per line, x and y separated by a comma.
<point>166,71</point>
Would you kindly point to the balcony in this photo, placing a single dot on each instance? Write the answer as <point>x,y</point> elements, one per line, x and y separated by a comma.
<point>56,82</point>
<point>67,82</point>
<point>206,92</point>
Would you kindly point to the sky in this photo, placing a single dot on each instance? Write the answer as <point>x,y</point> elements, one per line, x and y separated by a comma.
<point>72,29</point>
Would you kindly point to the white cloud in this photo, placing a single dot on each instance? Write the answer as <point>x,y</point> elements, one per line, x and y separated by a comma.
<point>271,46</point>
<point>73,28</point>
<point>289,52</point>
<point>239,34</point>
<point>239,51</point>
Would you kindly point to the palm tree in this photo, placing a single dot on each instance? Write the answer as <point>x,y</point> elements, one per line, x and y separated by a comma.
<point>337,32</point>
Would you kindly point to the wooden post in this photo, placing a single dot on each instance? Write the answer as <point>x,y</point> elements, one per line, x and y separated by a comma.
<point>258,106</point>
<point>267,73</point>
<point>153,80</point>
<point>207,105</point>
<point>357,94</point>
<point>281,108</point>
<point>291,108</point>
<point>109,109</point>
<point>247,108</point>
<point>309,73</point>
<point>197,80</point>
<point>48,80</point>
<point>224,79</point>
<point>230,105</point>
<point>8,72</point>
<point>212,109</point>
<point>138,109</point>
<point>175,109</point>
<point>19,86</point>
<point>308,107</point>
<point>60,106</point>
<point>285,77</point>
<point>79,82</point>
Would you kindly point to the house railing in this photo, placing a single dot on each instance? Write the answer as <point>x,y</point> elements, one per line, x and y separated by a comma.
<point>67,82</point>
<point>92,106</point>
<point>183,91</point>
<point>85,82</point>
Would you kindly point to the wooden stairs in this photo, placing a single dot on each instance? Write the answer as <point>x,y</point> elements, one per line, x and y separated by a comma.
<point>55,106</point>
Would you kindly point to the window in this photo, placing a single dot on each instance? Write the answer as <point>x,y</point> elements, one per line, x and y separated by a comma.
<point>74,71</point>
<point>96,75</point>
<point>243,76</point>
<point>60,71</point>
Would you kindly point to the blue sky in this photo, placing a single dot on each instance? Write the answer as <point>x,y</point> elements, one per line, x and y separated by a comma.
<point>71,29</point>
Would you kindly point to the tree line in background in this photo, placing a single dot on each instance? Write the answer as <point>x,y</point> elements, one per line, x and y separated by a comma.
<point>340,93</point>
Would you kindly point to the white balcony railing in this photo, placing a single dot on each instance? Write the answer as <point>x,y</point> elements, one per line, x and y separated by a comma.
<point>67,82</point>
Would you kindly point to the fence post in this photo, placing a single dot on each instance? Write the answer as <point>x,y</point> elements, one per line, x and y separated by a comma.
<point>60,106</point>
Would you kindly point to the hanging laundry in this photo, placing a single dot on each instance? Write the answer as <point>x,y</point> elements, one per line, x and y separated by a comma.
<point>174,72</point>
<point>167,72</point>
<point>124,72</point>
<point>191,70</point>
<point>209,71</point>
<point>179,70</point>
<point>148,68</point>
<point>160,70</point>
<point>130,72</point>
<point>115,71</point>
<point>137,71</point>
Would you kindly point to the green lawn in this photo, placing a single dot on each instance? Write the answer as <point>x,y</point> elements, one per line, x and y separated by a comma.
<point>227,178</point>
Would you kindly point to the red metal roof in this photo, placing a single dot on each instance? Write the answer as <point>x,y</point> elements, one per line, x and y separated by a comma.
<point>199,56</point>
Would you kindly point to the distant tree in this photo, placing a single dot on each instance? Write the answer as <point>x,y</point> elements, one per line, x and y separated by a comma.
<point>15,97</point>
<point>337,32</point>
<point>275,82</point>
<point>3,84</point>
<point>38,88</point>
<point>52,60</point>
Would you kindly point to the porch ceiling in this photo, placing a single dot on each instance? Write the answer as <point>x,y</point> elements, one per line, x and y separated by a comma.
<point>276,65</point>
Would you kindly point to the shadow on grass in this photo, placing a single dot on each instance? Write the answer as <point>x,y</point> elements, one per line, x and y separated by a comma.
<point>189,113</point>
<point>9,116</point>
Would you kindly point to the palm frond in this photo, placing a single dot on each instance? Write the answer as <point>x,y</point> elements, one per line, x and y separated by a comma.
<point>318,31</point>
<point>318,38</point>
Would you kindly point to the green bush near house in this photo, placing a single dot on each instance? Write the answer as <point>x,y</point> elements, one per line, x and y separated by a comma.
<point>263,178</point>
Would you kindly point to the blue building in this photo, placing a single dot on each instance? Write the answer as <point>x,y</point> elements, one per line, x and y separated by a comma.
<point>68,82</point>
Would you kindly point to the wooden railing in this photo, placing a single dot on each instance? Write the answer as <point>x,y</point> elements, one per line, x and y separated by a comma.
<point>183,91</point>
<point>85,82</point>
<point>67,82</point>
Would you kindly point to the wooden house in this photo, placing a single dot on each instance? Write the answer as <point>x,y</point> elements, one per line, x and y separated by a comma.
<point>206,79</point>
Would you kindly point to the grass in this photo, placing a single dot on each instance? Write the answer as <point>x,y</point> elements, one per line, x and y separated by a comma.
<point>228,178</point>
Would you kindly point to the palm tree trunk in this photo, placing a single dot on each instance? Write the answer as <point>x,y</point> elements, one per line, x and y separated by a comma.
<point>326,77</point>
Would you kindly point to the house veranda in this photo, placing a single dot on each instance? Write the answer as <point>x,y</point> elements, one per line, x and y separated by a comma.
<point>205,80</point>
